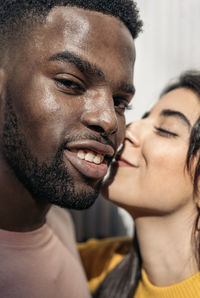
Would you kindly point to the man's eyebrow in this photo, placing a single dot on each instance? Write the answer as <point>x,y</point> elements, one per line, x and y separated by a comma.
<point>82,64</point>
<point>127,88</point>
<point>176,114</point>
<point>88,68</point>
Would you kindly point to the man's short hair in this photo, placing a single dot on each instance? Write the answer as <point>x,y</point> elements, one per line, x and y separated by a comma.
<point>18,15</point>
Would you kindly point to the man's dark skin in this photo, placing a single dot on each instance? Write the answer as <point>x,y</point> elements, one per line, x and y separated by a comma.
<point>55,98</point>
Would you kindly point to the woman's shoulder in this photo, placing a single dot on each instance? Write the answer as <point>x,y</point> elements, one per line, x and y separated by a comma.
<point>99,257</point>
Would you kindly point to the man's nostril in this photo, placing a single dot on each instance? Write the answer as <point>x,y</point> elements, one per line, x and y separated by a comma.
<point>97,128</point>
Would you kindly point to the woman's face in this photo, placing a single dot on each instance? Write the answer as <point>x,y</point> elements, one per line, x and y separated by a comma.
<point>152,177</point>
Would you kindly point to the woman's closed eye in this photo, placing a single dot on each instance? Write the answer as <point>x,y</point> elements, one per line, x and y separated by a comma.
<point>165,132</point>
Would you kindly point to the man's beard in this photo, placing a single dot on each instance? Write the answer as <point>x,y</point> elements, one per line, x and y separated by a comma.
<point>49,181</point>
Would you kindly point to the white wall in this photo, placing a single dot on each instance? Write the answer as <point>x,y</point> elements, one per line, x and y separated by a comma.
<point>169,45</point>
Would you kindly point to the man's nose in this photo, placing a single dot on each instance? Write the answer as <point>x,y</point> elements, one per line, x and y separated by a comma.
<point>101,117</point>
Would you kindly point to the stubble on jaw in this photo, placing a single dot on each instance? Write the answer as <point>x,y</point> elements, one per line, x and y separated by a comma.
<point>48,181</point>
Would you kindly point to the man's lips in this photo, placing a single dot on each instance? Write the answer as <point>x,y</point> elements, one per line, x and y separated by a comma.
<point>95,146</point>
<point>86,168</point>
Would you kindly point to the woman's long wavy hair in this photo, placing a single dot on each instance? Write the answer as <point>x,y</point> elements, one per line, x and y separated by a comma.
<point>122,281</point>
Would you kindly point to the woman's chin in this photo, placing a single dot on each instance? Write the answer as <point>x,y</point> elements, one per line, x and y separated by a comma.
<point>112,193</point>
<point>109,181</point>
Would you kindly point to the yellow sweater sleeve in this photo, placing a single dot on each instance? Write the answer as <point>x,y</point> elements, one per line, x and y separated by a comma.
<point>99,257</point>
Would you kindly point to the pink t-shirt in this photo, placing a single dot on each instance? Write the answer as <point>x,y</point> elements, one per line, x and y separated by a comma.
<point>37,265</point>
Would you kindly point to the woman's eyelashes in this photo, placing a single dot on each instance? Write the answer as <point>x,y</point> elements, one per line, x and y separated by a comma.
<point>165,132</point>
<point>69,86</point>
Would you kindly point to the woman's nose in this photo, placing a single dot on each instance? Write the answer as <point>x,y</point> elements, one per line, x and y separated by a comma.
<point>133,133</point>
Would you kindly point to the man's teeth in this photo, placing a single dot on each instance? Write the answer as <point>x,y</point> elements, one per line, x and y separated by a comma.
<point>81,154</point>
<point>90,156</point>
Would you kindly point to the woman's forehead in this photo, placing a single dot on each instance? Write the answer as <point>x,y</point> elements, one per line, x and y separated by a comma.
<point>181,100</point>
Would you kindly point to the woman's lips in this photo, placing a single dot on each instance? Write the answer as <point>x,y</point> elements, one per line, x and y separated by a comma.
<point>124,163</point>
<point>88,169</point>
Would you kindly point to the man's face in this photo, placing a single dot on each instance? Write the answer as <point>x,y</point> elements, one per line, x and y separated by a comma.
<point>64,100</point>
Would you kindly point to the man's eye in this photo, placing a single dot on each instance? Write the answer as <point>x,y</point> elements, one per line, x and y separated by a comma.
<point>121,103</point>
<point>69,85</point>
<point>164,132</point>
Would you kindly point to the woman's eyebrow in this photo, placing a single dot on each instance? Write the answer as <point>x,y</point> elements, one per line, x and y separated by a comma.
<point>145,115</point>
<point>178,115</point>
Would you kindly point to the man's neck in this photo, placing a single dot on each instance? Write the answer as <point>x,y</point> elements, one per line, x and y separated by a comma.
<point>19,211</point>
<point>166,247</point>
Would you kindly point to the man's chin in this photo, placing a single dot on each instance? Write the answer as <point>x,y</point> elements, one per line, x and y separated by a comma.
<point>77,201</point>
<point>78,196</point>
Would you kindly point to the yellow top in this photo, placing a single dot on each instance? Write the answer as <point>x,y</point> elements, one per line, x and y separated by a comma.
<point>99,257</point>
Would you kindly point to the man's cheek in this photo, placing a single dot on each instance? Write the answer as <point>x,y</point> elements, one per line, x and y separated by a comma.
<point>121,133</point>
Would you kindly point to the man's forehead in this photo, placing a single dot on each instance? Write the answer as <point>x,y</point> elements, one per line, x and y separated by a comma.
<point>79,15</point>
<point>76,29</point>
<point>112,55</point>
<point>81,21</point>
<point>70,19</point>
